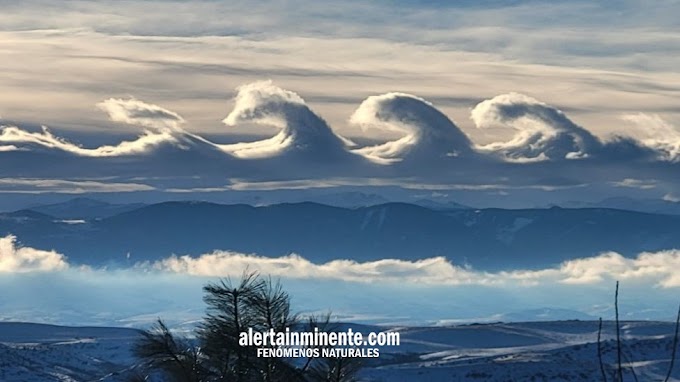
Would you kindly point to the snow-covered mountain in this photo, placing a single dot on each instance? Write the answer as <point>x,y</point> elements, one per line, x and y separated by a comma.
<point>484,238</point>
<point>537,351</point>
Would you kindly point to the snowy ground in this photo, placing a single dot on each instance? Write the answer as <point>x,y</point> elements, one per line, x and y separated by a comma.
<point>537,351</point>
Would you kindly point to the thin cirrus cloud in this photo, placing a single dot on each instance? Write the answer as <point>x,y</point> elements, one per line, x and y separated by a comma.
<point>63,186</point>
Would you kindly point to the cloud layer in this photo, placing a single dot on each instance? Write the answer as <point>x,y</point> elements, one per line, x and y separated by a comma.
<point>541,132</point>
<point>17,259</point>
<point>46,287</point>
<point>659,269</point>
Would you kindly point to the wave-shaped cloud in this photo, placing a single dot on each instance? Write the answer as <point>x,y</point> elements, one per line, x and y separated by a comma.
<point>162,128</point>
<point>17,259</point>
<point>13,138</point>
<point>302,130</point>
<point>429,133</point>
<point>136,112</point>
<point>657,134</point>
<point>542,131</point>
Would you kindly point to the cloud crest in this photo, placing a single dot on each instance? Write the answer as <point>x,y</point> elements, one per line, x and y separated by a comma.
<point>135,112</point>
<point>429,133</point>
<point>13,138</point>
<point>542,131</point>
<point>302,130</point>
<point>657,134</point>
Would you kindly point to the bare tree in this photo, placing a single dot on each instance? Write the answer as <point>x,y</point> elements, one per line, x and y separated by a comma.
<point>599,351</point>
<point>675,347</point>
<point>619,369</point>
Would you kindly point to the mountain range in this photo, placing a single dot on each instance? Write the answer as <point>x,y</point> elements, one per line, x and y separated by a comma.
<point>490,239</point>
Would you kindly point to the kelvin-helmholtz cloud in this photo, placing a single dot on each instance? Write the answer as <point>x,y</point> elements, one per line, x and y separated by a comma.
<point>432,149</point>
<point>541,132</point>
<point>160,127</point>
<point>429,133</point>
<point>302,130</point>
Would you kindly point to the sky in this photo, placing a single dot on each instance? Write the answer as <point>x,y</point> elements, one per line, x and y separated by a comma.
<point>596,60</point>
<point>511,96</point>
<point>500,103</point>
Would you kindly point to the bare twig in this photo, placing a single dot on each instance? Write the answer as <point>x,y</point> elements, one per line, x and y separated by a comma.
<point>618,335</point>
<point>631,367</point>
<point>599,351</point>
<point>675,347</point>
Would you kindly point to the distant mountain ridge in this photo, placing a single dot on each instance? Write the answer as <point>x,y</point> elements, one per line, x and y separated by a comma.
<point>84,208</point>
<point>484,238</point>
<point>89,208</point>
<point>659,206</point>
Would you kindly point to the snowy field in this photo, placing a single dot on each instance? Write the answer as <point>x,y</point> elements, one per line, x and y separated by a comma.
<point>537,351</point>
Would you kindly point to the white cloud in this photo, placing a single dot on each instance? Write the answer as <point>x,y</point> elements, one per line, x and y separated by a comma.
<point>429,133</point>
<point>657,134</point>
<point>136,112</point>
<point>671,197</point>
<point>301,129</point>
<point>38,186</point>
<point>236,184</point>
<point>576,58</point>
<point>14,138</point>
<point>643,184</point>
<point>542,132</point>
<point>18,259</point>
<point>659,269</point>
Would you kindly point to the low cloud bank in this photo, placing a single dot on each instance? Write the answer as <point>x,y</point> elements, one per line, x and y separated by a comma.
<point>17,259</point>
<point>660,269</point>
<point>46,288</point>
